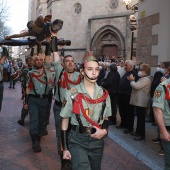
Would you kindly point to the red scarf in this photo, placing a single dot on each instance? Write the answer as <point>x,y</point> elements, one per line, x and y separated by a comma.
<point>38,77</point>
<point>78,104</point>
<point>66,81</point>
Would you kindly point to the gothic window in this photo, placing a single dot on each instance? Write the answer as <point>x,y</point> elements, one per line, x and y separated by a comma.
<point>78,8</point>
<point>114,4</point>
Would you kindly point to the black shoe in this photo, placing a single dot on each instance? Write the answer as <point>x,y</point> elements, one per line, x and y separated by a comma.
<point>9,87</point>
<point>161,152</point>
<point>157,140</point>
<point>139,138</point>
<point>36,147</point>
<point>20,122</point>
<point>13,87</point>
<point>126,131</point>
<point>119,127</point>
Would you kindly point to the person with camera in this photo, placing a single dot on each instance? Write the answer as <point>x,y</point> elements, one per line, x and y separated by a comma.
<point>66,78</point>
<point>40,82</point>
<point>87,107</point>
<point>2,61</point>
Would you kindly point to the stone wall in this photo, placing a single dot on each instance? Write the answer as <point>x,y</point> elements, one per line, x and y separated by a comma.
<point>146,39</point>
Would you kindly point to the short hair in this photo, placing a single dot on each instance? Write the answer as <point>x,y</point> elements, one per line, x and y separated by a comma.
<point>130,62</point>
<point>67,57</point>
<point>146,68</point>
<point>166,64</point>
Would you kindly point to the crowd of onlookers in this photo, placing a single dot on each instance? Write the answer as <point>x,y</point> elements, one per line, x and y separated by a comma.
<point>131,89</point>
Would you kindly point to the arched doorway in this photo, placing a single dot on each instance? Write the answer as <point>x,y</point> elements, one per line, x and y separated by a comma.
<point>108,41</point>
<point>110,51</point>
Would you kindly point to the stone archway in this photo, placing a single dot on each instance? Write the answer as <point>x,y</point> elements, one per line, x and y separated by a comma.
<point>108,40</point>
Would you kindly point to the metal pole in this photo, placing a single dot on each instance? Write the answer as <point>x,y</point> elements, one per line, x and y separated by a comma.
<point>132,45</point>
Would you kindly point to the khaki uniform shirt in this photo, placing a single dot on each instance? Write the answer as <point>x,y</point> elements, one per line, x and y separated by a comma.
<point>159,101</point>
<point>58,68</point>
<point>42,88</point>
<point>66,111</point>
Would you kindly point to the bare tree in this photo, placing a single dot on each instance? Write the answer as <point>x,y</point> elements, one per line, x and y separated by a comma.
<point>4,30</point>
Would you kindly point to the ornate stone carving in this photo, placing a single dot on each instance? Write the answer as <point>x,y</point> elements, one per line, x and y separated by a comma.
<point>114,4</point>
<point>78,8</point>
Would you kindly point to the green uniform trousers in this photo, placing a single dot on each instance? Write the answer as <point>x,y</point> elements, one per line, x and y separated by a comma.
<point>38,108</point>
<point>86,152</point>
<point>166,149</point>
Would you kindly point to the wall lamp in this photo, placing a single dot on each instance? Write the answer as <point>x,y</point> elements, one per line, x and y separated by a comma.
<point>133,7</point>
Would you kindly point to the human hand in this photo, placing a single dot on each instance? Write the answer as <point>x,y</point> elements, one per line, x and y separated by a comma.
<point>165,136</point>
<point>131,77</point>
<point>7,37</point>
<point>26,106</point>
<point>66,155</point>
<point>100,133</point>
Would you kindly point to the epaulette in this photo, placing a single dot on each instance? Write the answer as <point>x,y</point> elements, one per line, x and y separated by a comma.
<point>73,90</point>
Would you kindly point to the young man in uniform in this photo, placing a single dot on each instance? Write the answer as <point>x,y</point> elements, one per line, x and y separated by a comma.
<point>2,61</point>
<point>41,81</point>
<point>24,78</point>
<point>88,107</point>
<point>161,107</point>
<point>66,78</point>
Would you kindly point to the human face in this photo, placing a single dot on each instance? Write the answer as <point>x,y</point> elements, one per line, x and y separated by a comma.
<point>91,71</point>
<point>68,64</point>
<point>30,62</point>
<point>128,67</point>
<point>38,62</point>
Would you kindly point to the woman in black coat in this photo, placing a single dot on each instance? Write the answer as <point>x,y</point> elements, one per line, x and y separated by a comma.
<point>111,83</point>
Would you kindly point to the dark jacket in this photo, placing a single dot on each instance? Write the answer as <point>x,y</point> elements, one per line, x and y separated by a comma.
<point>111,83</point>
<point>124,86</point>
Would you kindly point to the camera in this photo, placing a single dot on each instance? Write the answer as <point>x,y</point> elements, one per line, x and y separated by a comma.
<point>63,42</point>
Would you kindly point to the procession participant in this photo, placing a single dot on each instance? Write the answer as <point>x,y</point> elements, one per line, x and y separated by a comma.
<point>24,78</point>
<point>161,107</point>
<point>88,107</point>
<point>66,78</point>
<point>40,82</point>
<point>2,61</point>
<point>14,74</point>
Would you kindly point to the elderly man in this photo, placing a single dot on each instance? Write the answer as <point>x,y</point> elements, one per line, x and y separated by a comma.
<point>125,109</point>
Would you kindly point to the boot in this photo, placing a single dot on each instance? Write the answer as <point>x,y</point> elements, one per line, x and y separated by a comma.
<point>24,112</point>
<point>36,143</point>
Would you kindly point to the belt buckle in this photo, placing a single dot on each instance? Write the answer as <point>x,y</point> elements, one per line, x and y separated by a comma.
<point>88,130</point>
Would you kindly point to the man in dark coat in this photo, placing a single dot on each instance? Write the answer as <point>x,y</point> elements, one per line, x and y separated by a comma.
<point>111,83</point>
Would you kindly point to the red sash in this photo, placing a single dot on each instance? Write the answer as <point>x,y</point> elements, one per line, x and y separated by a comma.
<point>64,83</point>
<point>78,104</point>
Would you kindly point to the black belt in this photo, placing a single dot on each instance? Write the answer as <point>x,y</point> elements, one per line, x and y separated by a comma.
<point>1,82</point>
<point>58,103</point>
<point>84,129</point>
<point>39,96</point>
<point>168,127</point>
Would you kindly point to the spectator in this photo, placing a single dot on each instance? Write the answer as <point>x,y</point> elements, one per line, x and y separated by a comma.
<point>125,109</point>
<point>111,83</point>
<point>140,98</point>
<point>121,68</point>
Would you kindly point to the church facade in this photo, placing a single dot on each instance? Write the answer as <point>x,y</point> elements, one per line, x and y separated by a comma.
<point>100,26</point>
